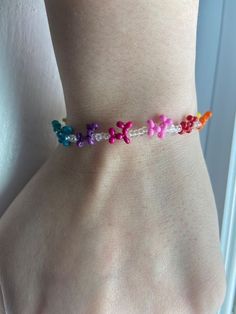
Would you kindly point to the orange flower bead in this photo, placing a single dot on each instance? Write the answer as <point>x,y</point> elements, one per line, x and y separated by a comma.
<point>204,118</point>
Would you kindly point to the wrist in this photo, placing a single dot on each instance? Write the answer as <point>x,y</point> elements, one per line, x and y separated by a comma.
<point>142,152</point>
<point>159,127</point>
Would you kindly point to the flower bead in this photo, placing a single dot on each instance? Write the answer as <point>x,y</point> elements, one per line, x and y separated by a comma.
<point>63,133</point>
<point>153,128</point>
<point>66,135</point>
<point>90,132</point>
<point>203,119</point>
<point>67,130</point>
<point>56,125</point>
<point>187,125</point>
<point>118,136</point>
<point>80,140</point>
<point>159,130</point>
<point>112,135</point>
<point>165,122</point>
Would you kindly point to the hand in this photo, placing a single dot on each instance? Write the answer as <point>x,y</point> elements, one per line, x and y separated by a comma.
<point>115,229</point>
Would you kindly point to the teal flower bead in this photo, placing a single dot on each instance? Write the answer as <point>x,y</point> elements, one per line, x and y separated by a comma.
<point>61,137</point>
<point>62,133</point>
<point>56,125</point>
<point>67,130</point>
<point>66,143</point>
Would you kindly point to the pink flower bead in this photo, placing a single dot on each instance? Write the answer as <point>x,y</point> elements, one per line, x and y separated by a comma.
<point>153,128</point>
<point>165,122</point>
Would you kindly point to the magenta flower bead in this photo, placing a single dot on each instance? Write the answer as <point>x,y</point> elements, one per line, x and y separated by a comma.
<point>119,136</point>
<point>123,135</point>
<point>120,124</point>
<point>128,125</point>
<point>112,135</point>
<point>126,139</point>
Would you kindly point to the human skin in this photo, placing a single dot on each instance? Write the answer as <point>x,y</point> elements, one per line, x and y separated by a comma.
<point>118,229</point>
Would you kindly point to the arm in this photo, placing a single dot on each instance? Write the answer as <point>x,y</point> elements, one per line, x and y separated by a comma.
<point>127,60</point>
<point>119,228</point>
<point>121,59</point>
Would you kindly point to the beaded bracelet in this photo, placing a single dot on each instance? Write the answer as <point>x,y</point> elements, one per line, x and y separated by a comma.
<point>67,136</point>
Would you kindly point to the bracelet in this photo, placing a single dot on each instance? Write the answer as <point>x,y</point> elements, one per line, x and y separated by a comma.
<point>67,136</point>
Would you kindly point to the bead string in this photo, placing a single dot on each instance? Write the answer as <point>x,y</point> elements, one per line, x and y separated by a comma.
<point>67,136</point>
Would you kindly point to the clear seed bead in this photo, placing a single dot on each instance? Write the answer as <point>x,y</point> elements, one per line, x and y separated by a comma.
<point>178,128</point>
<point>71,138</point>
<point>131,133</point>
<point>140,131</point>
<point>98,137</point>
<point>197,124</point>
<point>145,130</point>
<point>171,129</point>
<point>106,136</point>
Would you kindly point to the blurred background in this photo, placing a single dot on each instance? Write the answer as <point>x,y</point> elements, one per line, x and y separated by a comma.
<point>29,96</point>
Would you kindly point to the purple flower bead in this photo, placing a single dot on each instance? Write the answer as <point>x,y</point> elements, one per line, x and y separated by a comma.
<point>90,132</point>
<point>80,140</point>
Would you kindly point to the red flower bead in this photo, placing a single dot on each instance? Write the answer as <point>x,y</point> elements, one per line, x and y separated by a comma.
<point>187,124</point>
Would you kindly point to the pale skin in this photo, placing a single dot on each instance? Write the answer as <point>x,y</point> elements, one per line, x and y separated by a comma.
<point>118,229</point>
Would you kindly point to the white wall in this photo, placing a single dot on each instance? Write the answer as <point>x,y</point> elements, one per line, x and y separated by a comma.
<point>30,94</point>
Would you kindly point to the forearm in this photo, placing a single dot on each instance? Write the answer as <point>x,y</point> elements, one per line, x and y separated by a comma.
<point>129,61</point>
<point>124,60</point>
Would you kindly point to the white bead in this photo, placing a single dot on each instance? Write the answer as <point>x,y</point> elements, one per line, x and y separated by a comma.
<point>171,129</point>
<point>178,128</point>
<point>130,133</point>
<point>143,130</point>
<point>71,138</point>
<point>98,137</point>
<point>133,132</point>
<point>197,124</point>
<point>103,135</point>
<point>140,131</point>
